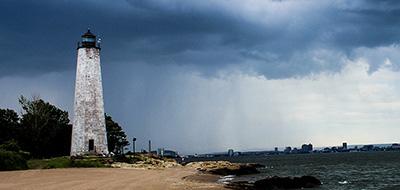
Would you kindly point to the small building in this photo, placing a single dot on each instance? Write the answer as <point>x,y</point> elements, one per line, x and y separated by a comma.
<point>288,149</point>
<point>344,145</point>
<point>160,152</point>
<point>306,148</point>
<point>326,150</point>
<point>230,152</point>
<point>395,146</point>
<point>367,148</point>
<point>170,154</point>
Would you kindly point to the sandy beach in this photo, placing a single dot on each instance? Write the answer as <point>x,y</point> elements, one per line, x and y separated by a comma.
<point>108,178</point>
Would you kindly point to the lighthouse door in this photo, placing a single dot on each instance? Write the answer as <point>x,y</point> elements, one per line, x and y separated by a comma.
<point>91,145</point>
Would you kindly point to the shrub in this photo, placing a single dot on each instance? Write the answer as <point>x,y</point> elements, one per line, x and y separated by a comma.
<point>10,160</point>
<point>131,159</point>
<point>58,162</point>
<point>86,163</point>
<point>67,162</point>
<point>11,145</point>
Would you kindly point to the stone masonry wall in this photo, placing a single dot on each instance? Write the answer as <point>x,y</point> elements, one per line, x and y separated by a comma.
<point>89,120</point>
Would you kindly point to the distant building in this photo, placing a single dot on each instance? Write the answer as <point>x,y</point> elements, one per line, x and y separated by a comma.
<point>230,152</point>
<point>326,150</point>
<point>165,153</point>
<point>344,146</point>
<point>288,149</point>
<point>367,148</point>
<point>307,148</point>
<point>170,154</point>
<point>395,146</point>
<point>160,152</point>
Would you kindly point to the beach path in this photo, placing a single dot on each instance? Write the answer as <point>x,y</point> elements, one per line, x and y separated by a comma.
<point>103,178</point>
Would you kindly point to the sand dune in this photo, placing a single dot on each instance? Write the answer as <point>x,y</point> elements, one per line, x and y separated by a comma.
<point>104,178</point>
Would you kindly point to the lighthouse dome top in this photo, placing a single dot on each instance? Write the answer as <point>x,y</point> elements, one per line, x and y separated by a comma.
<point>88,41</point>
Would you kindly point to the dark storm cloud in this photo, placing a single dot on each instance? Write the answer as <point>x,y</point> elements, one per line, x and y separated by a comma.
<point>40,36</point>
<point>220,74</point>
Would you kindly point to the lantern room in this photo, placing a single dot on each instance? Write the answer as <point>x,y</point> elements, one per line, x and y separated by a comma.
<point>88,40</point>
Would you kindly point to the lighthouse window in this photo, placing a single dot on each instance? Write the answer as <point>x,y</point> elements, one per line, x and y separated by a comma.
<point>88,40</point>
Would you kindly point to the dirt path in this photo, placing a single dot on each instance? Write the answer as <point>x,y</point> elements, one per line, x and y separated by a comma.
<point>103,178</point>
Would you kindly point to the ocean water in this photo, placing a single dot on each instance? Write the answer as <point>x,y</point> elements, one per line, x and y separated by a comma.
<point>337,171</point>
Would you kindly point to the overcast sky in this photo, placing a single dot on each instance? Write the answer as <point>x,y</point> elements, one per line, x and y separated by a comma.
<point>207,75</point>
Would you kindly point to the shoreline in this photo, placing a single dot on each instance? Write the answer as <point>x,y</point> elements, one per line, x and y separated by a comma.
<point>109,178</point>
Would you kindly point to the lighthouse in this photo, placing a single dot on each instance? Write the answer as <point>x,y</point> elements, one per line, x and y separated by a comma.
<point>89,134</point>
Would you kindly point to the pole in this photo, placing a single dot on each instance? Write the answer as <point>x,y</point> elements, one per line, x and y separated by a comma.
<point>149,146</point>
<point>134,145</point>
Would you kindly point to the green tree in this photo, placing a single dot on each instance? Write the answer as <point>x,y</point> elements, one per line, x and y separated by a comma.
<point>8,125</point>
<point>116,137</point>
<point>46,131</point>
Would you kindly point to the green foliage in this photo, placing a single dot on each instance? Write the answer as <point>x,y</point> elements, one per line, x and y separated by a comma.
<point>10,146</point>
<point>116,137</point>
<point>58,162</point>
<point>130,159</point>
<point>93,163</point>
<point>11,156</point>
<point>8,125</point>
<point>45,129</point>
<point>10,160</point>
<point>67,162</point>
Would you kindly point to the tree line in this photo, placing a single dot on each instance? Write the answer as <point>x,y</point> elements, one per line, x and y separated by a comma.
<point>44,130</point>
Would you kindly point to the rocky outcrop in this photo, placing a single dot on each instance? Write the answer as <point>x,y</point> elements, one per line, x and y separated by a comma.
<point>144,165</point>
<point>278,183</point>
<point>144,161</point>
<point>225,167</point>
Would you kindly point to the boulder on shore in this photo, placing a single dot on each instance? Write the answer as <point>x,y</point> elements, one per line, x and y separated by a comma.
<point>225,167</point>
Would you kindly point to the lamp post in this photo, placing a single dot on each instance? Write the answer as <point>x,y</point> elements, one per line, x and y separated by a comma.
<point>134,145</point>
<point>149,146</point>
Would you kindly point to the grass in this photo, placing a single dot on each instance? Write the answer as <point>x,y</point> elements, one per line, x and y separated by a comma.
<point>67,162</point>
<point>89,161</point>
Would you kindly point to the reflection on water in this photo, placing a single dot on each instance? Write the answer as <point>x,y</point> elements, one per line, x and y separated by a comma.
<point>341,171</point>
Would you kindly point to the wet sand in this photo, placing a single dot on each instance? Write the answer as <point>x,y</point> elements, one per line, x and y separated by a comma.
<point>108,178</point>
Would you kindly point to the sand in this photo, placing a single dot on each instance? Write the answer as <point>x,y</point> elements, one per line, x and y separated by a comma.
<point>108,178</point>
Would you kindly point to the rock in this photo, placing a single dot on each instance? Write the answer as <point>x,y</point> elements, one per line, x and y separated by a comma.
<point>240,185</point>
<point>144,162</point>
<point>242,169</point>
<point>224,167</point>
<point>310,182</point>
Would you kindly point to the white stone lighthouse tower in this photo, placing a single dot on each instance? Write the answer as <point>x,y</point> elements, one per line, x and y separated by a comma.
<point>89,134</point>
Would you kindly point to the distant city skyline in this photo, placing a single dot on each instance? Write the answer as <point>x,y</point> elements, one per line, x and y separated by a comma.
<point>207,76</point>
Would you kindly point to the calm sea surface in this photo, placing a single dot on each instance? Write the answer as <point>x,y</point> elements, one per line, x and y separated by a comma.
<point>339,171</point>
